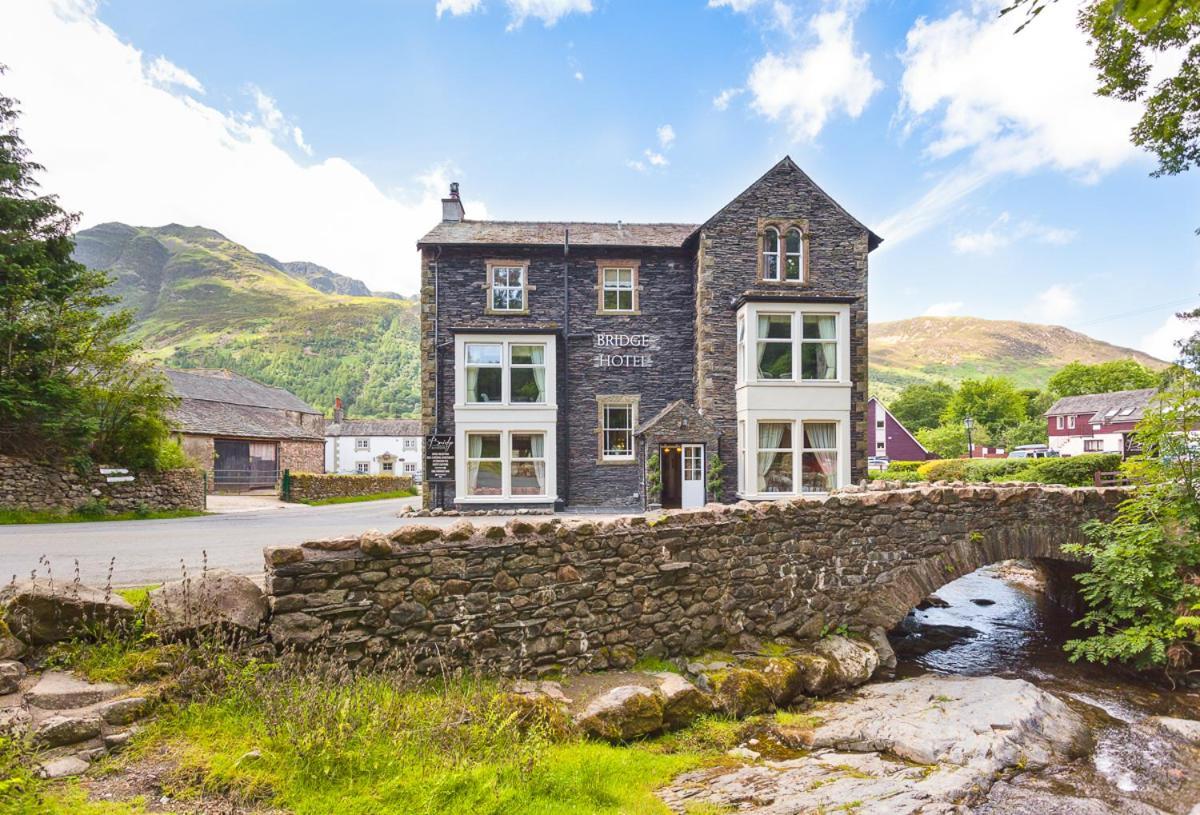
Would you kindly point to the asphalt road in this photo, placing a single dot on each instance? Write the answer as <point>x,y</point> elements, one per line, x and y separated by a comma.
<point>152,551</point>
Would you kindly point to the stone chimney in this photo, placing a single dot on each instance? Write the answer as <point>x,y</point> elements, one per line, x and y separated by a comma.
<point>339,413</point>
<point>452,208</point>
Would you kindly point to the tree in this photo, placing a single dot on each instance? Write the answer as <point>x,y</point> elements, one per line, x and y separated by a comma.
<point>1077,378</point>
<point>64,362</point>
<point>1143,587</point>
<point>950,440</point>
<point>1127,34</point>
<point>993,402</point>
<point>1030,431</point>
<point>1036,402</point>
<point>920,406</point>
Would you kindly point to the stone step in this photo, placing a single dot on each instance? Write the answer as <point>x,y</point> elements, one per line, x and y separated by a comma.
<point>61,691</point>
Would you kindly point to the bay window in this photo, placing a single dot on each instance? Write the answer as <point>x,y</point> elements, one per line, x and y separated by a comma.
<point>818,461</point>
<point>490,470</point>
<point>527,474</point>
<point>818,347</point>
<point>485,373</point>
<point>774,346</point>
<point>775,457</point>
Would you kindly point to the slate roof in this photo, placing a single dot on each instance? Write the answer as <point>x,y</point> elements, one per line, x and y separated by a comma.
<point>221,403</point>
<point>550,233</point>
<point>374,427</point>
<point>225,386</point>
<point>1101,404</point>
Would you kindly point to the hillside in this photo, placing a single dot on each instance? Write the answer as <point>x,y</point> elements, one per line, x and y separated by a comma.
<point>923,349</point>
<point>202,300</point>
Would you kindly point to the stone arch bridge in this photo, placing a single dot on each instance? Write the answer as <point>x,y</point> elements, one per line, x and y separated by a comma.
<point>538,593</point>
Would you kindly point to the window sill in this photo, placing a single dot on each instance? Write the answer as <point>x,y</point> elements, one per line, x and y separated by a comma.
<point>619,462</point>
<point>485,406</point>
<point>767,282</point>
<point>603,313</point>
<point>505,313</point>
<point>805,383</point>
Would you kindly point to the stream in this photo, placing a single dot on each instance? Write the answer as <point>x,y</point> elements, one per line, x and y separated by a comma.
<point>997,622</point>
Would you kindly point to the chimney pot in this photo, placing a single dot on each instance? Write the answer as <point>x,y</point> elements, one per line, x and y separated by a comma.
<point>452,208</point>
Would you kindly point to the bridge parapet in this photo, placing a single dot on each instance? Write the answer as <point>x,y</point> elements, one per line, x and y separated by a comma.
<point>538,594</point>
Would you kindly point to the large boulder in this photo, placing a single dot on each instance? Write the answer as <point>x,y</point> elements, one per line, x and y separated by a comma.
<point>853,661</point>
<point>683,702</point>
<point>219,599</point>
<point>741,692</point>
<point>11,674</point>
<point>41,612</point>
<point>783,677</point>
<point>623,713</point>
<point>61,729</point>
<point>10,646</point>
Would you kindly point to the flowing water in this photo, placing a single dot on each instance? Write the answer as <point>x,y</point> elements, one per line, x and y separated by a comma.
<point>997,622</point>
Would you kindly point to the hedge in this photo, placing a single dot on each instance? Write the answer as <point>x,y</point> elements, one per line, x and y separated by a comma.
<point>944,469</point>
<point>1076,471</point>
<point>903,467</point>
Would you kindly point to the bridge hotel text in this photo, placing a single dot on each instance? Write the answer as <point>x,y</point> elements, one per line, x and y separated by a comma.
<point>627,365</point>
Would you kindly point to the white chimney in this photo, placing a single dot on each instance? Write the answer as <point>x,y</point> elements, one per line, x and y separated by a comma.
<point>452,208</point>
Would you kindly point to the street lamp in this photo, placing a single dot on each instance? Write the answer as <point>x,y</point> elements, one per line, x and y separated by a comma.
<point>968,423</point>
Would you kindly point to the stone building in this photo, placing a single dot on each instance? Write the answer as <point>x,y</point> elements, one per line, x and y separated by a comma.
<point>629,365</point>
<point>372,446</point>
<point>242,432</point>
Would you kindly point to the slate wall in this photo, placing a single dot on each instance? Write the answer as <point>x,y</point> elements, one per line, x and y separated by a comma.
<point>539,595</point>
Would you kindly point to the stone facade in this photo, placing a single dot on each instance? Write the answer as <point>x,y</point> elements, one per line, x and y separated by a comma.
<point>317,486</point>
<point>836,254</point>
<point>302,456</point>
<point>538,595</point>
<point>42,486</point>
<point>685,306</point>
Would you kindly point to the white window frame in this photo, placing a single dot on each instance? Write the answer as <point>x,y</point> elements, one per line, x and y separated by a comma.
<point>410,466</point>
<point>409,444</point>
<point>603,405</point>
<point>791,340</point>
<point>506,460</point>
<point>1070,423</point>
<point>362,468</point>
<point>619,287</point>
<point>506,367</point>
<point>493,266</point>
<point>804,448</point>
<point>768,255</point>
<point>758,452</point>
<point>511,458</point>
<point>1093,445</point>
<point>788,254</point>
<point>801,341</point>
<point>741,349</point>
<point>387,467</point>
<point>362,445</point>
<point>1058,422</point>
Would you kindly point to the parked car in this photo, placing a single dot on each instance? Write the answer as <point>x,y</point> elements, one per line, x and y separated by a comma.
<point>1033,451</point>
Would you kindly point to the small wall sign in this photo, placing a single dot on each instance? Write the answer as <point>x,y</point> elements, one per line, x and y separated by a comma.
<point>439,458</point>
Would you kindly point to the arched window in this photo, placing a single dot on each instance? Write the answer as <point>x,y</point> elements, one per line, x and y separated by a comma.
<point>793,268</point>
<point>770,258</point>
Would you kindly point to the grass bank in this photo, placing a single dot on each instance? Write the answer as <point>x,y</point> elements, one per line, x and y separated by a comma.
<point>355,499</point>
<point>24,516</point>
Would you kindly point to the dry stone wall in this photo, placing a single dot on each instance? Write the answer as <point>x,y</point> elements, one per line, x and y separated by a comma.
<point>536,595</point>
<point>43,486</point>
<point>317,486</point>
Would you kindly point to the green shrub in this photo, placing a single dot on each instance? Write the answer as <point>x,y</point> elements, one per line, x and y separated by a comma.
<point>91,508</point>
<point>907,476</point>
<point>1076,471</point>
<point>903,466</point>
<point>944,469</point>
<point>995,469</point>
<point>170,456</point>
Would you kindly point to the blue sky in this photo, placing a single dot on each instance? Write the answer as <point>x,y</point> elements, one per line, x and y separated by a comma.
<point>1002,186</point>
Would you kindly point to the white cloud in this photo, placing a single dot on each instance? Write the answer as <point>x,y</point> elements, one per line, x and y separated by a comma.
<point>164,156</point>
<point>636,164</point>
<point>656,159</point>
<point>1005,102</point>
<point>457,7</point>
<point>579,76</point>
<point>298,137</point>
<point>548,11</point>
<point>666,136</point>
<point>736,5</point>
<point>721,100</point>
<point>1161,342</point>
<point>1057,304</point>
<point>944,309</point>
<point>1004,231</point>
<point>166,73</point>
<point>818,76</point>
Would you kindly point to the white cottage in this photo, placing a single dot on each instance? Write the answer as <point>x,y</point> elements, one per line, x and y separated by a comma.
<point>374,447</point>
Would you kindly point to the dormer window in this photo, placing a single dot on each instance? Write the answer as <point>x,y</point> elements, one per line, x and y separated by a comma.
<point>793,267</point>
<point>770,254</point>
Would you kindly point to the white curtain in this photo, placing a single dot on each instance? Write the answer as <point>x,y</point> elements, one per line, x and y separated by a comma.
<point>770,435</point>
<point>539,379</point>
<point>474,451</point>
<point>472,386</point>
<point>538,448</point>
<point>824,435</point>
<point>827,358</point>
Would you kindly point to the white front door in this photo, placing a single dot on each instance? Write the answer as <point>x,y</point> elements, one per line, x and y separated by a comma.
<point>693,476</point>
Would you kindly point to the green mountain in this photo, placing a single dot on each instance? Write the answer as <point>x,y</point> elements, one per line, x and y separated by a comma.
<point>925,349</point>
<point>202,300</point>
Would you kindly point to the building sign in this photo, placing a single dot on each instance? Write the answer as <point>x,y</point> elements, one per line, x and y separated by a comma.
<point>115,475</point>
<point>624,350</point>
<point>439,458</point>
